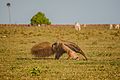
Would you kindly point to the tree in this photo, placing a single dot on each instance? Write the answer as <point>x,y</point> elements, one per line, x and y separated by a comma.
<point>40,18</point>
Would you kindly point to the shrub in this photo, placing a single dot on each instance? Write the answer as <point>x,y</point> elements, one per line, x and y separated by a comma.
<point>35,71</point>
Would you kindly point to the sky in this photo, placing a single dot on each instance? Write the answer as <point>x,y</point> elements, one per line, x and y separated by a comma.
<point>62,11</point>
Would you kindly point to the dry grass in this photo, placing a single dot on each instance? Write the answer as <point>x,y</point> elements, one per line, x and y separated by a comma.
<point>101,45</point>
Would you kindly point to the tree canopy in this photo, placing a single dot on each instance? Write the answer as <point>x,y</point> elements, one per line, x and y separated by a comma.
<point>40,18</point>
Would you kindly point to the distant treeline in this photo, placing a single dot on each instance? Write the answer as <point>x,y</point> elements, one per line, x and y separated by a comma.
<point>54,25</point>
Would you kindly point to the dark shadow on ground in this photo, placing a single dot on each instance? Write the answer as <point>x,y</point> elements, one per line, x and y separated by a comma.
<point>43,58</point>
<point>35,58</point>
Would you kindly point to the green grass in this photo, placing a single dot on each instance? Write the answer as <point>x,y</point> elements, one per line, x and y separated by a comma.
<point>102,47</point>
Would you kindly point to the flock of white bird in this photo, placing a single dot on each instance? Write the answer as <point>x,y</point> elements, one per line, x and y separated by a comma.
<point>112,26</point>
<point>116,26</point>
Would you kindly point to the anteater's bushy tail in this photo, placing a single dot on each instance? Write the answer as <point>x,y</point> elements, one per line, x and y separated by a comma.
<point>43,49</point>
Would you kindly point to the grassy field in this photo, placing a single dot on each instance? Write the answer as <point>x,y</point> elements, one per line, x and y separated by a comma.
<point>102,47</point>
